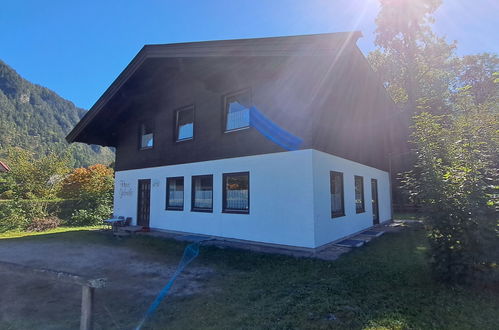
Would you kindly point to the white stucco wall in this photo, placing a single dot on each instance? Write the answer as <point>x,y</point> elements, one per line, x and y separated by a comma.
<point>329,229</point>
<point>289,198</point>
<point>281,204</point>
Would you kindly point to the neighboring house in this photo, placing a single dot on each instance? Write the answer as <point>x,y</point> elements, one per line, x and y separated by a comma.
<point>4,167</point>
<point>275,140</point>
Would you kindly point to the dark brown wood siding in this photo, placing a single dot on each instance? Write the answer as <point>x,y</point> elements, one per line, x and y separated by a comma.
<point>334,103</point>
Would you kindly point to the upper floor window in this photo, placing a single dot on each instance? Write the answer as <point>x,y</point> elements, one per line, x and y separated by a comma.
<point>337,197</point>
<point>202,193</point>
<point>236,192</point>
<point>184,124</point>
<point>146,136</point>
<point>237,110</point>
<point>359,194</point>
<point>175,193</point>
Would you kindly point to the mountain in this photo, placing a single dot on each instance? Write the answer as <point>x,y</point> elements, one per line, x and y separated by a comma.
<point>35,118</point>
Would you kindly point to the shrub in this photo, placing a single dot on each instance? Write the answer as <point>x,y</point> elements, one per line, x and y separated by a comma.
<point>42,224</point>
<point>90,216</point>
<point>18,214</point>
<point>8,194</point>
<point>12,216</point>
<point>455,179</point>
<point>92,187</point>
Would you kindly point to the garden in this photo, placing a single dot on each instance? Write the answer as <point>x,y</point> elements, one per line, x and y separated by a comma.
<point>41,193</point>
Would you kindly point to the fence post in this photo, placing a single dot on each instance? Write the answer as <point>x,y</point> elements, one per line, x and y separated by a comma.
<point>87,305</point>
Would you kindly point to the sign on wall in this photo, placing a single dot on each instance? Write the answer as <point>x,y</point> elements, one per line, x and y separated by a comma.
<point>124,190</point>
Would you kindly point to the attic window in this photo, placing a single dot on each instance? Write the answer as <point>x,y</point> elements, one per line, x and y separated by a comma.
<point>237,112</point>
<point>146,137</point>
<point>185,124</point>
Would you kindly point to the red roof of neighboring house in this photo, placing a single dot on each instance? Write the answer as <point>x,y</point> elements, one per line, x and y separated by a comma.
<point>4,167</point>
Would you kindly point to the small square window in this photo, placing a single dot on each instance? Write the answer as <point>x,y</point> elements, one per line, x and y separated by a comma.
<point>202,193</point>
<point>237,110</point>
<point>236,192</point>
<point>359,195</point>
<point>337,197</point>
<point>184,124</point>
<point>146,137</point>
<point>175,193</point>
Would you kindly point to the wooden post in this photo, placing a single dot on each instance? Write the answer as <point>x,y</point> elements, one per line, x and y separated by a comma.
<point>87,305</point>
<point>88,287</point>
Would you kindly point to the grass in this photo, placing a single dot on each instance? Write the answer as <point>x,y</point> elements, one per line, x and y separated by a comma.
<point>407,216</point>
<point>58,230</point>
<point>384,285</point>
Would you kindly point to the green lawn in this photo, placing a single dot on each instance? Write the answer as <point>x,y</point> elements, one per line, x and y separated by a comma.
<point>385,284</point>
<point>407,216</point>
<point>18,234</point>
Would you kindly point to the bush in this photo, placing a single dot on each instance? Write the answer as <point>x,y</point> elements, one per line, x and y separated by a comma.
<point>12,216</point>
<point>8,194</point>
<point>90,216</point>
<point>42,224</point>
<point>18,214</point>
<point>455,180</point>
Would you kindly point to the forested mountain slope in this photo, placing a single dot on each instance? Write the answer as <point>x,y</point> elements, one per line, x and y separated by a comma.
<point>37,119</point>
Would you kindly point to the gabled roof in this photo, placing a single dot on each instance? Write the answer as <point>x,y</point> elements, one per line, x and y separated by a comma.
<point>310,45</point>
<point>4,167</point>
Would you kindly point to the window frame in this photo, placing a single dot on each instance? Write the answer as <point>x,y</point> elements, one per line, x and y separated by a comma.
<point>176,122</point>
<point>362,194</point>
<point>342,212</point>
<point>145,124</point>
<point>225,109</point>
<point>174,208</point>
<point>224,193</point>
<point>193,195</point>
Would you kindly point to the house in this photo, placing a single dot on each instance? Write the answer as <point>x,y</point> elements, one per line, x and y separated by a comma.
<point>275,140</point>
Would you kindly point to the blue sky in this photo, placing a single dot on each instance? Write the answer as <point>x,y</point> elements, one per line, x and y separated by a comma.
<point>77,48</point>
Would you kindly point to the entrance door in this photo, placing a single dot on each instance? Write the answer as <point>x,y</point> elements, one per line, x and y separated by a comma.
<point>143,202</point>
<point>374,194</point>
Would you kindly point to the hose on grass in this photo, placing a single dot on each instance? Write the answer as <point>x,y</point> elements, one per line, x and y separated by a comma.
<point>190,253</point>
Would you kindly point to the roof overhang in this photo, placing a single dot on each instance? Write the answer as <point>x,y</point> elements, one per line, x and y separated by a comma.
<point>304,45</point>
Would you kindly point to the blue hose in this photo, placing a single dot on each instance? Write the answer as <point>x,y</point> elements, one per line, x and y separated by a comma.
<point>190,253</point>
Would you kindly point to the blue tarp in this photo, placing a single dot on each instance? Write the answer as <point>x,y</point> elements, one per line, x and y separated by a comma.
<point>273,131</point>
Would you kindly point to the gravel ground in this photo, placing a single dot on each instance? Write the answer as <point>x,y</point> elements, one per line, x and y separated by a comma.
<point>134,278</point>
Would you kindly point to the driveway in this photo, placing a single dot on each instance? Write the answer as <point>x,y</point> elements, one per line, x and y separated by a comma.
<point>134,278</point>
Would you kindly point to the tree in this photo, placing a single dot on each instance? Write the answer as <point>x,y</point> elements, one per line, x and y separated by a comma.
<point>479,74</point>
<point>455,179</point>
<point>32,177</point>
<point>93,188</point>
<point>413,62</point>
<point>32,181</point>
<point>93,182</point>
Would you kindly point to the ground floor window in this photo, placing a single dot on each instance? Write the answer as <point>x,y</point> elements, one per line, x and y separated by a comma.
<point>337,198</point>
<point>202,193</point>
<point>236,192</point>
<point>359,194</point>
<point>175,193</point>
